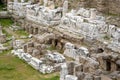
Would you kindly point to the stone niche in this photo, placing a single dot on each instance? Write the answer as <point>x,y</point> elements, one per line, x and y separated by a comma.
<point>109,62</point>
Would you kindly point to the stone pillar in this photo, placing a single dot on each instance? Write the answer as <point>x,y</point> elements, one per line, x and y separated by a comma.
<point>69,50</point>
<point>30,50</point>
<point>64,71</point>
<point>25,48</point>
<point>93,14</point>
<point>2,38</point>
<point>89,77</point>
<point>65,7</point>
<point>113,66</point>
<point>45,2</point>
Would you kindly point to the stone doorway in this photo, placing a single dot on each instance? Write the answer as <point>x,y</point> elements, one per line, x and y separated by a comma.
<point>118,67</point>
<point>108,65</point>
<point>36,31</point>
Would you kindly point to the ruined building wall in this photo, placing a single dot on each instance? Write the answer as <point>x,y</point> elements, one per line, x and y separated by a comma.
<point>106,6</point>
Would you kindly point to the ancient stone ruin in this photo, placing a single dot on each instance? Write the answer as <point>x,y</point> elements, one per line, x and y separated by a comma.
<point>78,43</point>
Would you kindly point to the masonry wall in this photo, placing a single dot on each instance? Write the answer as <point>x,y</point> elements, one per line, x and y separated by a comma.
<point>106,6</point>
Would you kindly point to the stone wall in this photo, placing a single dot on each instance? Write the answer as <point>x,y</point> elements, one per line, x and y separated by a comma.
<point>107,6</point>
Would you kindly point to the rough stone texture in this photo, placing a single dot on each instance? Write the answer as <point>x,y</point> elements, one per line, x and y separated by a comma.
<point>107,6</point>
<point>2,36</point>
<point>76,26</point>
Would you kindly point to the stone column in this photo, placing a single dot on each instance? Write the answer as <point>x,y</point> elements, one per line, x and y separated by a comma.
<point>93,14</point>
<point>25,48</point>
<point>64,71</point>
<point>65,7</point>
<point>45,2</point>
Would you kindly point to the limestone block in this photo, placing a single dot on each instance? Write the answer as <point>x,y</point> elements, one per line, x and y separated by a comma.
<point>83,12</point>
<point>21,52</point>
<point>38,46</point>
<point>65,7</point>
<point>97,78</point>
<point>70,51</point>
<point>80,75</point>
<point>25,48</point>
<point>36,52</point>
<point>30,50</point>
<point>27,57</point>
<point>83,51</point>
<point>93,14</point>
<point>71,77</point>
<point>64,71</point>
<point>46,69</point>
<point>55,57</point>
<point>35,63</point>
<point>118,62</point>
<point>89,77</point>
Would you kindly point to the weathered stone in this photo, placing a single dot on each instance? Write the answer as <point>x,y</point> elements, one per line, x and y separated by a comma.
<point>64,71</point>
<point>35,63</point>
<point>80,75</point>
<point>97,78</point>
<point>71,77</point>
<point>65,7</point>
<point>88,77</point>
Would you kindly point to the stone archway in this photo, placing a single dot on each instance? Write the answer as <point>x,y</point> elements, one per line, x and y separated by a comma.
<point>108,65</point>
<point>100,50</point>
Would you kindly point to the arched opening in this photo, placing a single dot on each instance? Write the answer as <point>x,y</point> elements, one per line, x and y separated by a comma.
<point>118,67</point>
<point>108,65</point>
<point>56,41</point>
<point>100,50</point>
